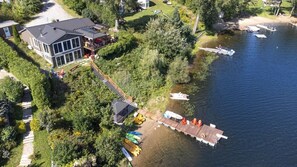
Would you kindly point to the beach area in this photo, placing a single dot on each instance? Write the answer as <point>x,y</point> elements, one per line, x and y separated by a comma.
<point>150,128</point>
<point>242,23</point>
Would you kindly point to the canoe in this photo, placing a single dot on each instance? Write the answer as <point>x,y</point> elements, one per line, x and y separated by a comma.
<point>132,139</point>
<point>125,152</point>
<point>133,136</point>
<point>135,133</point>
<point>134,146</point>
<point>170,114</point>
<point>133,151</point>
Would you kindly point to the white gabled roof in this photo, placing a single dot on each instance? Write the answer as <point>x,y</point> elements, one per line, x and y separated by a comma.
<point>8,23</point>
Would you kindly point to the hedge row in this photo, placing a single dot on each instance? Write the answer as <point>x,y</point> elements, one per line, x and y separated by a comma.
<point>125,43</point>
<point>27,73</point>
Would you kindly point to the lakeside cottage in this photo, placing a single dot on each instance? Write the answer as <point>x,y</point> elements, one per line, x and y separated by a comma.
<point>63,42</point>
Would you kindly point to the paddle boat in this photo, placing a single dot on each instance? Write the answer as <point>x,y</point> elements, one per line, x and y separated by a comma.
<point>179,96</point>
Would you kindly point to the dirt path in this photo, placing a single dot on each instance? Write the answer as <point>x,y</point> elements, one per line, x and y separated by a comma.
<point>51,11</point>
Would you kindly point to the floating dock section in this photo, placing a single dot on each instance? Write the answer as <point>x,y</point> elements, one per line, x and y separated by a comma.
<point>261,36</point>
<point>206,134</point>
<point>219,51</point>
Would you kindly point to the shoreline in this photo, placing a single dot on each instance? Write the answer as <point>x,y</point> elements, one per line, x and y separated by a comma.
<point>149,127</point>
<point>254,20</point>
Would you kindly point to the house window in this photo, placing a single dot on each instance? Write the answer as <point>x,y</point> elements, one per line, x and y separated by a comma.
<point>67,45</point>
<point>36,42</point>
<point>60,60</point>
<point>45,48</point>
<point>69,57</point>
<point>75,43</point>
<point>77,54</point>
<point>58,48</point>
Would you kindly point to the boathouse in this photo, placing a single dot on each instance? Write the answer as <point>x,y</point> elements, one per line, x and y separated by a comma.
<point>121,110</point>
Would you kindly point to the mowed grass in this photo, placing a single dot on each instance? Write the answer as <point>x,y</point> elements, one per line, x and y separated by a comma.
<point>154,5</point>
<point>259,9</point>
<point>15,156</point>
<point>42,154</point>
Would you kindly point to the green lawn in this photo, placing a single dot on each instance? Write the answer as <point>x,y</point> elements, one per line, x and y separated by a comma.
<point>154,5</point>
<point>41,149</point>
<point>29,55</point>
<point>267,11</point>
<point>15,156</point>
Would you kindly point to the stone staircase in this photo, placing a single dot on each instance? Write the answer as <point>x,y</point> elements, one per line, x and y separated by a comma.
<point>28,140</point>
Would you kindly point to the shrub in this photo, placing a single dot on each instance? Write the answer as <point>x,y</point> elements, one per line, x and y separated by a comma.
<point>35,124</point>
<point>125,43</point>
<point>21,127</point>
<point>27,73</point>
<point>12,89</point>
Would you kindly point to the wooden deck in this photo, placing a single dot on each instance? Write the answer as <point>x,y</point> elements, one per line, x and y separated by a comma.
<point>206,134</point>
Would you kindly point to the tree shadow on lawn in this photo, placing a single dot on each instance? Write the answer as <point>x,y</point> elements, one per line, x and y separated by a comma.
<point>22,53</point>
<point>139,24</point>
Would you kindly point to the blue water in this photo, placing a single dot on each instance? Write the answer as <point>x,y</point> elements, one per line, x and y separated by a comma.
<point>252,97</point>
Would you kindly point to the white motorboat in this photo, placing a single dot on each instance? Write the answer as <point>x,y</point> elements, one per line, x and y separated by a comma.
<point>170,114</point>
<point>252,29</point>
<point>179,96</point>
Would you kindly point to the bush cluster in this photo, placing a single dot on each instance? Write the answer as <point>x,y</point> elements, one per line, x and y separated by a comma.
<point>27,73</point>
<point>125,43</point>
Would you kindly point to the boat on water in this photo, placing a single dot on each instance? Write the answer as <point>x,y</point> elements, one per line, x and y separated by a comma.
<point>127,155</point>
<point>133,136</point>
<point>135,133</point>
<point>261,36</point>
<point>225,51</point>
<point>170,114</point>
<point>252,29</point>
<point>266,27</point>
<point>179,96</point>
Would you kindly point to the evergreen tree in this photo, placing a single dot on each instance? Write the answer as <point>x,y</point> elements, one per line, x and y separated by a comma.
<point>16,35</point>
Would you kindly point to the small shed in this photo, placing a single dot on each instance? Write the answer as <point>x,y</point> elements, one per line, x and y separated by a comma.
<point>6,28</point>
<point>121,110</point>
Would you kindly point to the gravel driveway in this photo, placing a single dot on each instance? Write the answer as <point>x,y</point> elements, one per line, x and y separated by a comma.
<point>51,11</point>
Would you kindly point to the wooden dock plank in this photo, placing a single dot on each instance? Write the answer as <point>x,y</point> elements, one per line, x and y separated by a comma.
<point>205,133</point>
<point>193,130</point>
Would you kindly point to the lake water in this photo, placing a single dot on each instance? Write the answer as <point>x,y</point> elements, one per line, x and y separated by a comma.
<point>252,96</point>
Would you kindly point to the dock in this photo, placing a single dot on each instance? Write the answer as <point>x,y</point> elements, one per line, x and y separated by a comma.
<point>261,36</point>
<point>207,134</point>
<point>219,51</point>
<point>266,27</point>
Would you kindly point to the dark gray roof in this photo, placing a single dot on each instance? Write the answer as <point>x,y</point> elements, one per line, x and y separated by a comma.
<point>49,33</point>
<point>90,33</point>
<point>121,110</point>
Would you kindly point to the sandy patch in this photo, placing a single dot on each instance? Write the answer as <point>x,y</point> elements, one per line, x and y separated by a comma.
<point>242,23</point>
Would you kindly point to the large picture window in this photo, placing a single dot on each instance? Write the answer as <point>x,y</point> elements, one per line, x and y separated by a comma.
<point>67,45</point>
<point>69,57</point>
<point>58,48</point>
<point>77,54</point>
<point>60,60</point>
<point>75,42</point>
